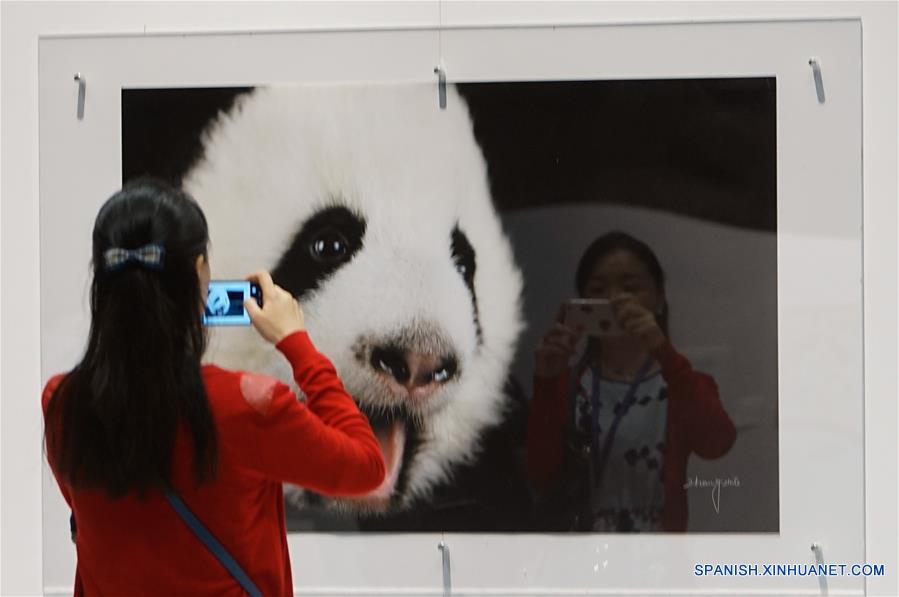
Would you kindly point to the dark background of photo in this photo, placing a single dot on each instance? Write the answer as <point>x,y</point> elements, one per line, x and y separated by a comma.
<point>688,166</point>
<point>699,147</point>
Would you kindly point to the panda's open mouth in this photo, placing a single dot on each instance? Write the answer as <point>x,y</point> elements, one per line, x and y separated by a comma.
<point>397,435</point>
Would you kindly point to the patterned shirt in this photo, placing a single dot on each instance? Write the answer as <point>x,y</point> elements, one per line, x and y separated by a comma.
<point>629,495</point>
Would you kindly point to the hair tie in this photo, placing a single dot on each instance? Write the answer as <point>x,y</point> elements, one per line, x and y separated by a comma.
<point>148,256</point>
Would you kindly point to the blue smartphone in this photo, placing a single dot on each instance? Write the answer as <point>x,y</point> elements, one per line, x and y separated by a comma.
<point>224,304</point>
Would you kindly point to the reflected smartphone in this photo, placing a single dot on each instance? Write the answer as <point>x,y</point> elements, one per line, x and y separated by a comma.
<point>224,304</point>
<point>593,317</point>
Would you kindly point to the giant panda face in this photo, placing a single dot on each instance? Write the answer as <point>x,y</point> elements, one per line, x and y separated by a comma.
<point>372,207</point>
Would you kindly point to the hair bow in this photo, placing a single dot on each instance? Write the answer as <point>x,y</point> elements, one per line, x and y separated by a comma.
<point>148,256</point>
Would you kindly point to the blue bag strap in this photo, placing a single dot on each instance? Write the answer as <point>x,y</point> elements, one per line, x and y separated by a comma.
<point>212,544</point>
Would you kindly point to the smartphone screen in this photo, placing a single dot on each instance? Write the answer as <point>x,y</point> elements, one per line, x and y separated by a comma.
<point>224,304</point>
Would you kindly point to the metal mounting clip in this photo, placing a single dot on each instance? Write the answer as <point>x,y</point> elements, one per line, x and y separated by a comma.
<point>819,82</point>
<point>819,559</point>
<point>82,88</point>
<point>447,576</point>
<point>441,86</point>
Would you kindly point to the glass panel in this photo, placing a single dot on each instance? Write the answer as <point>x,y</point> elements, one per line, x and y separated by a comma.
<point>434,253</point>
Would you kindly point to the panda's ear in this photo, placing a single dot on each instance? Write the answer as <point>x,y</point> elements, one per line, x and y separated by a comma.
<point>162,129</point>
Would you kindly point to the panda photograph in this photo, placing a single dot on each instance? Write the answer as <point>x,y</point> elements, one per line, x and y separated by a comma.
<point>554,301</point>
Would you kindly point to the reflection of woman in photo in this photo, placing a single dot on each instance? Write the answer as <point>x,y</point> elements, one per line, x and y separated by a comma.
<point>609,436</point>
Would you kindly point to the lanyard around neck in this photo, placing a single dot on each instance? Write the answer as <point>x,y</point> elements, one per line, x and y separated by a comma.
<point>601,455</point>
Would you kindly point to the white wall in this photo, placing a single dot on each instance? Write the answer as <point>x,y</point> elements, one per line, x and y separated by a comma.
<point>22,23</point>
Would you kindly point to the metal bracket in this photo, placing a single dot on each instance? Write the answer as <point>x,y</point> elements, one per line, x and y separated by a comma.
<point>447,575</point>
<point>819,82</point>
<point>82,89</point>
<point>819,559</point>
<point>441,86</point>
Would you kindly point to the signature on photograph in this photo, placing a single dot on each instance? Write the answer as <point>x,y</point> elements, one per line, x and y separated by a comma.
<point>715,484</point>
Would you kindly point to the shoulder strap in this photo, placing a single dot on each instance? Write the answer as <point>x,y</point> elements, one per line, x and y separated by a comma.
<point>625,405</point>
<point>212,544</point>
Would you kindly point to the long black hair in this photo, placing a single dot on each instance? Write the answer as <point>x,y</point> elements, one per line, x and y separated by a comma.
<point>621,241</point>
<point>112,423</point>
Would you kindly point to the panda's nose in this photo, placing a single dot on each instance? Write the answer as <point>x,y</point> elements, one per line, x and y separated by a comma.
<point>416,373</point>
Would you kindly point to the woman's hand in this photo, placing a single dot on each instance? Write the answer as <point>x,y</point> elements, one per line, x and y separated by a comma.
<point>637,321</point>
<point>280,314</point>
<point>555,349</point>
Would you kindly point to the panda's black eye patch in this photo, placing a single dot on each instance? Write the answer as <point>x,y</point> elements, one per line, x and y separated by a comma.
<point>464,258</point>
<point>325,242</point>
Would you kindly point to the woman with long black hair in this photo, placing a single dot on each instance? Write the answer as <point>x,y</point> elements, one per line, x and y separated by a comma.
<point>156,453</point>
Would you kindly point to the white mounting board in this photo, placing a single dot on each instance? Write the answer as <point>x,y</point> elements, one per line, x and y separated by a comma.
<point>819,276</point>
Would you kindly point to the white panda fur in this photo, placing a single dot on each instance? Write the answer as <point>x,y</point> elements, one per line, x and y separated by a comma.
<point>413,172</point>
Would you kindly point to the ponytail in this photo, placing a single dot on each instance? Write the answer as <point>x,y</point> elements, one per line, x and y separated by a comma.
<point>112,423</point>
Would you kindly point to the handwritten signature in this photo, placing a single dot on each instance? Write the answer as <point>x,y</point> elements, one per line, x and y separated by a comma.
<point>716,484</point>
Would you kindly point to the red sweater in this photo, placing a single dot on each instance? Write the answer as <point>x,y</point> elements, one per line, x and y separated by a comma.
<point>265,437</point>
<point>697,422</point>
